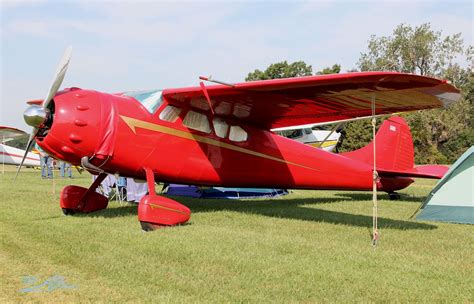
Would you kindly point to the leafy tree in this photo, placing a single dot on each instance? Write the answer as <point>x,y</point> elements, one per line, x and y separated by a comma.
<point>440,135</point>
<point>281,70</point>
<point>335,69</point>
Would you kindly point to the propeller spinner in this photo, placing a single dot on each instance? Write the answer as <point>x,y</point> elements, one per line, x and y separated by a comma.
<point>36,116</point>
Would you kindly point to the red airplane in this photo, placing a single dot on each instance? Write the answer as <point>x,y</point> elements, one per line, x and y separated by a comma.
<point>219,135</point>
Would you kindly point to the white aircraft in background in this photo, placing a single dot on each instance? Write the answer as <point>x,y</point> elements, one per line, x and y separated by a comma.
<point>326,140</point>
<point>322,139</point>
<point>12,156</point>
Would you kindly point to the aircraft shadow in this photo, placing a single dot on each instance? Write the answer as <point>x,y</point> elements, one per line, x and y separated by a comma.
<point>116,211</point>
<point>297,209</point>
<point>361,196</point>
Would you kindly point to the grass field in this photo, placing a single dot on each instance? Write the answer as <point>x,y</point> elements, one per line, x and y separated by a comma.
<point>309,246</point>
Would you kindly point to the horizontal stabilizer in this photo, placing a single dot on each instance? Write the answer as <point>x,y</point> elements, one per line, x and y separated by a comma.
<point>424,171</point>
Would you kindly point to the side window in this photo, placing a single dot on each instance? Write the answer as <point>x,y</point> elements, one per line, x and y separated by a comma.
<point>170,113</point>
<point>221,127</point>
<point>308,131</point>
<point>237,134</point>
<point>197,121</point>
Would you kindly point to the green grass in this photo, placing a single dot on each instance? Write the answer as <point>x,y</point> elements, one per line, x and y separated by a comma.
<point>310,246</point>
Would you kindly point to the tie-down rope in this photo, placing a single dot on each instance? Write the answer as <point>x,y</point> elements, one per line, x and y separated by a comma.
<point>375,176</point>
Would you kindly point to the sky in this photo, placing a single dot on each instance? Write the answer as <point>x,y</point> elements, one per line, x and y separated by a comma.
<point>135,45</point>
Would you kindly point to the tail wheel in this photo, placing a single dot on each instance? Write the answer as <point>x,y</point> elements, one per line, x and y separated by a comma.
<point>394,196</point>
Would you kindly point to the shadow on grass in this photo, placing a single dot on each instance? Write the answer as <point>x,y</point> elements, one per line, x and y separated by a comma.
<point>113,211</point>
<point>361,196</point>
<point>298,209</point>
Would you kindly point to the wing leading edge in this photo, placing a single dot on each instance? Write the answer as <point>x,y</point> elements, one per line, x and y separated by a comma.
<point>279,103</point>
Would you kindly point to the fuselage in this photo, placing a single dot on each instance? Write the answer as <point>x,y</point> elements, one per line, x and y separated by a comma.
<point>125,133</point>
<point>12,156</point>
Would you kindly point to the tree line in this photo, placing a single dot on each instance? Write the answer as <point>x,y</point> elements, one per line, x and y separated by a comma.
<point>439,135</point>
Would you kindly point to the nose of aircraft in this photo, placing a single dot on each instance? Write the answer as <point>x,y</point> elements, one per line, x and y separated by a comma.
<point>35,116</point>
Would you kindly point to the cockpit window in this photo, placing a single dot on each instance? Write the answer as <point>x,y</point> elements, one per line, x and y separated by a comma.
<point>151,100</point>
<point>221,127</point>
<point>237,134</point>
<point>197,121</point>
<point>170,113</point>
<point>292,133</point>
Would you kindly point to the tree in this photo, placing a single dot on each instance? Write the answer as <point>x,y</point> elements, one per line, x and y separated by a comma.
<point>335,69</point>
<point>281,70</point>
<point>440,135</point>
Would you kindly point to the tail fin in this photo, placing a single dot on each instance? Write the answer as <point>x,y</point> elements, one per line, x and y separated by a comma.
<point>395,154</point>
<point>394,146</point>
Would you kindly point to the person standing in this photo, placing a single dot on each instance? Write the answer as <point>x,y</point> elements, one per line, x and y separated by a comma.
<point>65,169</point>
<point>68,170</point>
<point>46,163</point>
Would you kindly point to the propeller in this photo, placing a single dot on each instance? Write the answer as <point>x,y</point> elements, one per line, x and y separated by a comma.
<point>35,115</point>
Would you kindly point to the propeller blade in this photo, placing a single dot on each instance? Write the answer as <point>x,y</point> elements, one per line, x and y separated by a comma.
<point>53,89</point>
<point>28,146</point>
<point>58,76</point>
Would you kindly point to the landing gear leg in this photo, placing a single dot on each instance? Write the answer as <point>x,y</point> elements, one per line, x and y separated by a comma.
<point>394,196</point>
<point>75,199</point>
<point>156,211</point>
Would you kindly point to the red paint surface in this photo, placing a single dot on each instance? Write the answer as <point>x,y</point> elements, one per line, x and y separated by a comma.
<point>93,124</point>
<point>176,159</point>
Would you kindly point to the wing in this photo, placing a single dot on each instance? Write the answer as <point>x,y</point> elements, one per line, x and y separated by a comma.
<point>279,103</point>
<point>7,133</point>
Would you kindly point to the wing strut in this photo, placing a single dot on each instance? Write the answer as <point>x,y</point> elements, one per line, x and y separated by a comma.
<point>206,94</point>
<point>329,135</point>
<point>375,177</point>
<point>204,90</point>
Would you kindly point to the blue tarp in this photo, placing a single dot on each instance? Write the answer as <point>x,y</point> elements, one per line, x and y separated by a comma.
<point>219,192</point>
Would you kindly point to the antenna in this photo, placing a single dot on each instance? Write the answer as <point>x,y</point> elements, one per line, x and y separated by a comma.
<point>216,81</point>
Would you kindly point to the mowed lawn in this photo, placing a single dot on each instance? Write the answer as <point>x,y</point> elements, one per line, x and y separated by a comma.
<point>309,246</point>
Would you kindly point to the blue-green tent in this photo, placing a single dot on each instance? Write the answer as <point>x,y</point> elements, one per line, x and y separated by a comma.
<point>452,200</point>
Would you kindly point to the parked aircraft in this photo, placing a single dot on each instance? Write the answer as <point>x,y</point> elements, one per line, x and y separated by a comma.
<point>11,155</point>
<point>219,135</point>
<point>321,139</point>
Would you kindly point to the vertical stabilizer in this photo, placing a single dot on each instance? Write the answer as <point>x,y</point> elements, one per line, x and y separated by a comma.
<point>394,147</point>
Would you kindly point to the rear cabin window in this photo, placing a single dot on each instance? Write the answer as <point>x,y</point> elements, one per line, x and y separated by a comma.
<point>151,100</point>
<point>292,133</point>
<point>221,127</point>
<point>237,134</point>
<point>197,121</point>
<point>170,113</point>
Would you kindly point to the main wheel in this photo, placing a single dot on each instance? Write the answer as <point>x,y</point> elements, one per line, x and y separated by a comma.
<point>67,211</point>
<point>394,196</point>
<point>150,226</point>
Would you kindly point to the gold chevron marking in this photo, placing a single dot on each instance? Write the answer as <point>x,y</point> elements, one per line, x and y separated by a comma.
<point>136,123</point>
<point>154,206</point>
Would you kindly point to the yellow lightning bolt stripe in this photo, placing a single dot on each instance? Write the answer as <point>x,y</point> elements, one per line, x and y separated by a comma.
<point>325,144</point>
<point>136,123</point>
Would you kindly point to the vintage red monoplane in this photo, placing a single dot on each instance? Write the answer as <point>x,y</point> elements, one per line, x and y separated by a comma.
<point>220,135</point>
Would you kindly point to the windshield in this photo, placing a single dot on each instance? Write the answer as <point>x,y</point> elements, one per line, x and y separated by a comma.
<point>151,100</point>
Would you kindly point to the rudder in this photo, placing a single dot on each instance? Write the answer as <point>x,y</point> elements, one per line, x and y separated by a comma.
<point>394,147</point>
